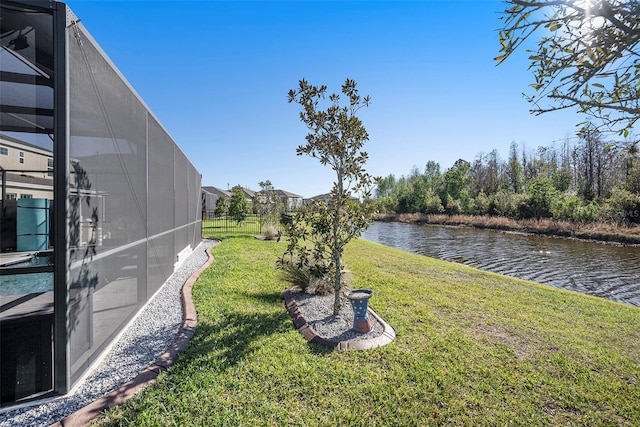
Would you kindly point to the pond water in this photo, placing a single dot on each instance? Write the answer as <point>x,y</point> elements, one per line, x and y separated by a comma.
<point>601,269</point>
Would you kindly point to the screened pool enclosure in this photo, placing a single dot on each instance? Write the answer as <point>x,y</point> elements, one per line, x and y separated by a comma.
<point>99,205</point>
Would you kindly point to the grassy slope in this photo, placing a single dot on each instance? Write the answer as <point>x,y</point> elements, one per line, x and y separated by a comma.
<point>473,348</point>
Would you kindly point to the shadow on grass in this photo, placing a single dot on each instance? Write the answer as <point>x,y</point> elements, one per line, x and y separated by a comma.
<point>268,297</point>
<point>230,339</point>
<point>228,235</point>
<point>318,350</point>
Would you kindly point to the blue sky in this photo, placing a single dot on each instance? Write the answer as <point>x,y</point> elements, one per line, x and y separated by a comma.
<point>216,74</point>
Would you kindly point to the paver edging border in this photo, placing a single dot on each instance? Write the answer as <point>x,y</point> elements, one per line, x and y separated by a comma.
<point>388,333</point>
<point>85,415</point>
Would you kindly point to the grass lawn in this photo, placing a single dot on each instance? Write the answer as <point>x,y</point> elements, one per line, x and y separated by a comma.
<point>225,225</point>
<point>472,348</point>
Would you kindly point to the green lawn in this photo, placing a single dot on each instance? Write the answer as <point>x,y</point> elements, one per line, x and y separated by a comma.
<point>472,348</point>
<point>226,225</point>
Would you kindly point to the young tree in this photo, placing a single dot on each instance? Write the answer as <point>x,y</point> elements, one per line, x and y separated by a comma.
<point>586,56</point>
<point>239,206</point>
<point>222,206</point>
<point>456,179</point>
<point>336,137</point>
<point>514,170</point>
<point>268,204</point>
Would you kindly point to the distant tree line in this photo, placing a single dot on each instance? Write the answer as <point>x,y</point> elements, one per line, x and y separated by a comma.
<point>585,180</point>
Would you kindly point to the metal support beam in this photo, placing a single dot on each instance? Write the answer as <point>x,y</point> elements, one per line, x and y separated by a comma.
<point>61,364</point>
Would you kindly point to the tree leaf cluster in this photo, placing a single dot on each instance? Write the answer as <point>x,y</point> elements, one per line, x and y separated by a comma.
<point>238,205</point>
<point>585,57</point>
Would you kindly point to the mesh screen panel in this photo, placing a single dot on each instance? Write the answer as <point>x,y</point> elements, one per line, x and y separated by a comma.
<point>181,181</point>
<point>130,190</point>
<point>107,218</point>
<point>161,186</point>
<point>161,257</point>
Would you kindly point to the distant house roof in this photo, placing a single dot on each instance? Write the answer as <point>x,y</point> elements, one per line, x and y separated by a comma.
<point>287,194</point>
<point>8,138</point>
<point>28,179</point>
<point>217,191</point>
<point>325,196</point>
<point>248,192</point>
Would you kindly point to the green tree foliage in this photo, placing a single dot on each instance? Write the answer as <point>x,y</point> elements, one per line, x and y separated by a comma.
<point>540,192</point>
<point>385,186</point>
<point>432,202</point>
<point>239,206</point>
<point>336,138</point>
<point>578,180</point>
<point>222,206</point>
<point>480,205</point>
<point>586,56</point>
<point>267,204</point>
<point>505,203</point>
<point>514,170</point>
<point>455,180</point>
<point>632,179</point>
<point>623,206</point>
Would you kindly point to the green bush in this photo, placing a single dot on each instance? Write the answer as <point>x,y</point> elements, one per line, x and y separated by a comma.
<point>622,207</point>
<point>454,206</point>
<point>588,213</point>
<point>432,203</point>
<point>298,274</point>
<point>540,195</point>
<point>480,205</point>
<point>504,203</point>
<point>565,208</point>
<point>387,204</point>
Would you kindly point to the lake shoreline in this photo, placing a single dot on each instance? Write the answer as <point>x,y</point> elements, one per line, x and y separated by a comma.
<point>600,232</point>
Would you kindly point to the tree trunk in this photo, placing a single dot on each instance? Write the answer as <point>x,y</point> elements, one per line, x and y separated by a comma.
<point>337,248</point>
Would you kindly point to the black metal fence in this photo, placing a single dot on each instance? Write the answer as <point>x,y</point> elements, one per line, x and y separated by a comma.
<point>252,224</point>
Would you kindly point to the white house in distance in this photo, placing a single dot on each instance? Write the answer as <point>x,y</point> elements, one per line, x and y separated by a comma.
<point>291,201</point>
<point>27,169</point>
<point>211,194</point>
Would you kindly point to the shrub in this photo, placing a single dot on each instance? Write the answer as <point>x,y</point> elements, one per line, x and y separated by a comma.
<point>541,193</point>
<point>504,203</point>
<point>480,205</point>
<point>300,275</point>
<point>565,208</point>
<point>295,274</point>
<point>386,204</point>
<point>454,206</point>
<point>589,213</point>
<point>271,232</point>
<point>432,203</point>
<point>623,206</point>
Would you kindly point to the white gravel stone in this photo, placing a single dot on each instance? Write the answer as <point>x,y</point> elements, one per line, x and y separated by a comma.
<point>142,342</point>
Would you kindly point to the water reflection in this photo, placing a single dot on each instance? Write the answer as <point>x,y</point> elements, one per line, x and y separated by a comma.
<point>604,270</point>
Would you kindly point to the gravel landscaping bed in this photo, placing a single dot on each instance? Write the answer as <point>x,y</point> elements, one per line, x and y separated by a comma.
<point>318,312</point>
<point>146,338</point>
